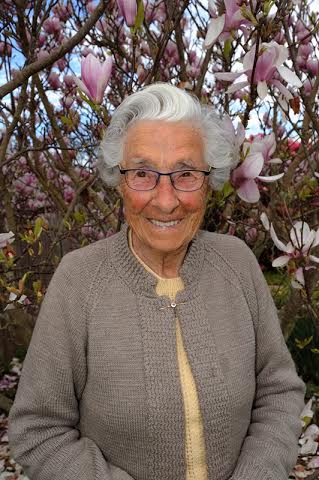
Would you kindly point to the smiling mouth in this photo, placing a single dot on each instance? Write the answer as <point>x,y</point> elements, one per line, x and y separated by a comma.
<point>158,223</point>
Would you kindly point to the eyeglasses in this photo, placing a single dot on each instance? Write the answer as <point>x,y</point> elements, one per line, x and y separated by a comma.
<point>183,180</point>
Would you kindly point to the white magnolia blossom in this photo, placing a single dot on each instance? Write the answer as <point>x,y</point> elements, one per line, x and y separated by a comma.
<point>265,221</point>
<point>6,239</point>
<point>302,240</point>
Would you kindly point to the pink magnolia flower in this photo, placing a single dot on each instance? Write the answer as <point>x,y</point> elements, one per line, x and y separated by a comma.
<point>308,86</point>
<point>128,10</point>
<point>95,76</point>
<point>52,25</point>
<point>90,7</point>
<point>221,27</point>
<point>269,64</point>
<point>243,177</point>
<point>302,240</point>
<point>266,146</point>
<point>6,239</point>
<point>68,80</point>
<point>54,80</point>
<point>312,65</point>
<point>5,49</point>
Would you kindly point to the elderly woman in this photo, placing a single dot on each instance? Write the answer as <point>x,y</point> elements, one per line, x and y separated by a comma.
<point>157,354</point>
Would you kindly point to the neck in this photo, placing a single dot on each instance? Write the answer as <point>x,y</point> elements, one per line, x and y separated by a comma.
<point>164,264</point>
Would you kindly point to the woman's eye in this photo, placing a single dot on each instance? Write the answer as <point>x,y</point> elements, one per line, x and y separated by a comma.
<point>141,173</point>
<point>186,174</point>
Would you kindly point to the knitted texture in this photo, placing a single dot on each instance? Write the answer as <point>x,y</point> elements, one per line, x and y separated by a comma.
<point>195,457</point>
<point>100,398</point>
<point>196,468</point>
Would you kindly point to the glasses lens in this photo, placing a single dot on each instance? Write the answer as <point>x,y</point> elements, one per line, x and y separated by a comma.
<point>188,180</point>
<point>141,179</point>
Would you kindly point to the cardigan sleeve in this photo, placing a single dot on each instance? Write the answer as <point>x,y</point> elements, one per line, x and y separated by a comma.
<point>43,434</point>
<point>269,450</point>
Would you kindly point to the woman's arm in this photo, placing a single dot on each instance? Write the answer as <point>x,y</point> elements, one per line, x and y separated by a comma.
<point>269,450</point>
<point>43,436</point>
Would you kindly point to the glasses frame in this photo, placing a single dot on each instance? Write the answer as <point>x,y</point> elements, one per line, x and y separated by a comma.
<point>168,174</point>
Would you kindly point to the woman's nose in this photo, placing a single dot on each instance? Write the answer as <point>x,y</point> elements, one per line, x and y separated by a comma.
<point>165,195</point>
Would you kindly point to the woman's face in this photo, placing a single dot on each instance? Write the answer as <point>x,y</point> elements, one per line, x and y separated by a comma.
<point>164,147</point>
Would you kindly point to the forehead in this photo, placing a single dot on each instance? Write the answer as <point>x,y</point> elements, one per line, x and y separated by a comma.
<point>164,143</point>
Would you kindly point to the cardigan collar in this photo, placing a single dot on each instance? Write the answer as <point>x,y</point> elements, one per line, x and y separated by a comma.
<point>141,281</point>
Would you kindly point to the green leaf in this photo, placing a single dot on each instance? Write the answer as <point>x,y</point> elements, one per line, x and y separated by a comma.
<point>67,224</point>
<point>2,256</point>
<point>267,6</point>
<point>139,17</point>
<point>79,217</point>
<point>227,49</point>
<point>246,13</point>
<point>38,227</point>
<point>87,100</point>
<point>314,350</point>
<point>303,343</point>
<point>228,189</point>
<point>67,121</point>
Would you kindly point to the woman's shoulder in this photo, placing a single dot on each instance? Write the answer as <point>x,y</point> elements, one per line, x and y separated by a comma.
<point>86,262</point>
<point>226,246</point>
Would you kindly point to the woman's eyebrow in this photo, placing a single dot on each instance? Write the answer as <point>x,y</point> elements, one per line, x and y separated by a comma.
<point>141,161</point>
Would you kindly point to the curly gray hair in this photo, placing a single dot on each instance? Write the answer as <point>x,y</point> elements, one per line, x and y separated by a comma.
<point>168,103</point>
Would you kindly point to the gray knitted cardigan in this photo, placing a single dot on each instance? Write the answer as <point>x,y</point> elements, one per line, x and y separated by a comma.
<point>100,396</point>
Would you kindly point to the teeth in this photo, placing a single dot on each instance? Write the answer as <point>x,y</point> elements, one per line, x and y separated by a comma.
<point>165,224</point>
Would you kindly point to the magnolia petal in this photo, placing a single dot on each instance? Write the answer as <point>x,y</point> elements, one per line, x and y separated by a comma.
<point>90,72</point>
<point>283,104</point>
<point>6,238</point>
<point>283,90</point>
<point>215,28</point>
<point>279,244</point>
<point>307,410</point>
<point>271,178</point>
<point>275,160</point>
<point>282,53</point>
<point>252,165</point>
<point>296,285</point>
<point>12,296</point>
<point>280,261</point>
<point>262,89</point>
<point>316,239</point>
<point>237,86</point>
<point>265,221</point>
<point>128,10</point>
<point>103,79</point>
<point>228,76</point>
<point>82,87</point>
<point>314,463</point>
<point>307,241</point>
<point>309,448</point>
<point>289,76</point>
<point>299,276</point>
<point>248,60</point>
<point>300,229</point>
<point>240,133</point>
<point>249,192</point>
<point>314,259</point>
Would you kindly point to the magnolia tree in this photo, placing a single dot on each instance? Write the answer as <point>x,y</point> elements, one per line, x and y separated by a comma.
<point>66,66</point>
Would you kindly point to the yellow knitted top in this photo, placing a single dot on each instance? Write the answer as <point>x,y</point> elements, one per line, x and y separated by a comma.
<point>194,435</point>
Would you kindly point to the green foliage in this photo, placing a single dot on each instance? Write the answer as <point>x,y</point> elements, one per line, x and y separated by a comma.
<point>303,344</point>
<point>139,17</point>
<point>279,285</point>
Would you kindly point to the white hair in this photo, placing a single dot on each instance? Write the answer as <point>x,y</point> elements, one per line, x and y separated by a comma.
<point>168,103</point>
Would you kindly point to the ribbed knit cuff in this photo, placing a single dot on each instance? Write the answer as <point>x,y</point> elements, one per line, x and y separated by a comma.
<point>248,470</point>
